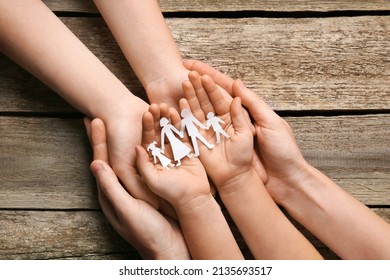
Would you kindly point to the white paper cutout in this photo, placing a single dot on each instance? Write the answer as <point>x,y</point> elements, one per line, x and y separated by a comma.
<point>188,122</point>
<point>214,121</point>
<point>158,153</point>
<point>179,149</point>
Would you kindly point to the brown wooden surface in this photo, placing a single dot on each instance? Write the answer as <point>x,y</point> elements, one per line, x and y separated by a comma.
<point>87,6</point>
<point>328,74</point>
<point>294,64</point>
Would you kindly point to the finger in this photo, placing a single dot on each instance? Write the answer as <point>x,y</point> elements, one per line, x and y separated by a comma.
<point>202,68</point>
<point>99,140</point>
<point>164,110</point>
<point>148,129</point>
<point>238,117</point>
<point>175,117</point>
<point>192,99</point>
<point>201,93</point>
<point>154,109</point>
<point>135,186</point>
<point>107,208</point>
<point>260,111</point>
<point>183,104</point>
<point>109,185</point>
<point>145,166</point>
<point>217,101</point>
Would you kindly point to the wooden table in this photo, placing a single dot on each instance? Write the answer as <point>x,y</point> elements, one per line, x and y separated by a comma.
<point>322,65</point>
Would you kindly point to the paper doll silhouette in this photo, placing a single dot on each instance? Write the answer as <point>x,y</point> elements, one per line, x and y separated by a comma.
<point>188,122</point>
<point>214,121</point>
<point>179,149</point>
<point>158,153</point>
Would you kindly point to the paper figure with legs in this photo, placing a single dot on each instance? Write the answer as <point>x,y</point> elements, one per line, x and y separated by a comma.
<point>189,122</point>
<point>158,153</point>
<point>179,149</point>
<point>214,122</point>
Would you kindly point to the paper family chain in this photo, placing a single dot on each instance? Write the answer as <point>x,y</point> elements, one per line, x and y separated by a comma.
<point>179,149</point>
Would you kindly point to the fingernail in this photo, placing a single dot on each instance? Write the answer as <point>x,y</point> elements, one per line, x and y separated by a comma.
<point>96,167</point>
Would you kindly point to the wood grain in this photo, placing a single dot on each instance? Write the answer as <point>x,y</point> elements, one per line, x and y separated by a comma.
<point>60,235</point>
<point>44,161</point>
<point>44,164</point>
<point>87,6</point>
<point>82,235</point>
<point>294,64</point>
<point>353,151</point>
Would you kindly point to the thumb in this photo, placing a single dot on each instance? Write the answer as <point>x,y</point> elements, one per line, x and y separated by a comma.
<point>108,183</point>
<point>238,116</point>
<point>144,165</point>
<point>258,109</point>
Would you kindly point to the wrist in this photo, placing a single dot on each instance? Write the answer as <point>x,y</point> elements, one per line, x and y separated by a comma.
<point>196,206</point>
<point>167,87</point>
<point>236,183</point>
<point>123,107</point>
<point>304,187</point>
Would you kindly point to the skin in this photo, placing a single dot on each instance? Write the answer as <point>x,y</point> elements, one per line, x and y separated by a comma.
<point>147,43</point>
<point>344,224</point>
<point>159,237</point>
<point>268,233</point>
<point>32,36</point>
<point>204,227</point>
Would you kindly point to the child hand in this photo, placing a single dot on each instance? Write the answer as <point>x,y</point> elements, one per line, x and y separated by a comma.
<point>233,156</point>
<point>179,185</point>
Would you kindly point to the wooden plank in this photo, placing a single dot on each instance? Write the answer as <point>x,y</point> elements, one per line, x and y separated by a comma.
<point>44,161</point>
<point>83,235</point>
<point>87,6</point>
<point>60,235</point>
<point>295,64</point>
<point>352,150</point>
<point>298,64</point>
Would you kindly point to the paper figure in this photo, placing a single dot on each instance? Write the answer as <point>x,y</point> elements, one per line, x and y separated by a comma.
<point>158,153</point>
<point>214,122</point>
<point>179,149</point>
<point>188,122</point>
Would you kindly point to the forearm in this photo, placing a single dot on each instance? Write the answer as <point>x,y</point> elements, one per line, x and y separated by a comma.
<point>146,41</point>
<point>206,231</point>
<point>344,224</point>
<point>36,39</point>
<point>266,230</point>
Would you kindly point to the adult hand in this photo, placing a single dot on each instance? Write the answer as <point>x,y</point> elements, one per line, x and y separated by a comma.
<point>279,151</point>
<point>154,235</point>
<point>124,132</point>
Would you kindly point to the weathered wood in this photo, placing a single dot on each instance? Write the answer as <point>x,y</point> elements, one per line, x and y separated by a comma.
<point>349,150</point>
<point>60,235</point>
<point>81,235</point>
<point>87,6</point>
<point>44,161</point>
<point>298,64</point>
<point>295,64</point>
